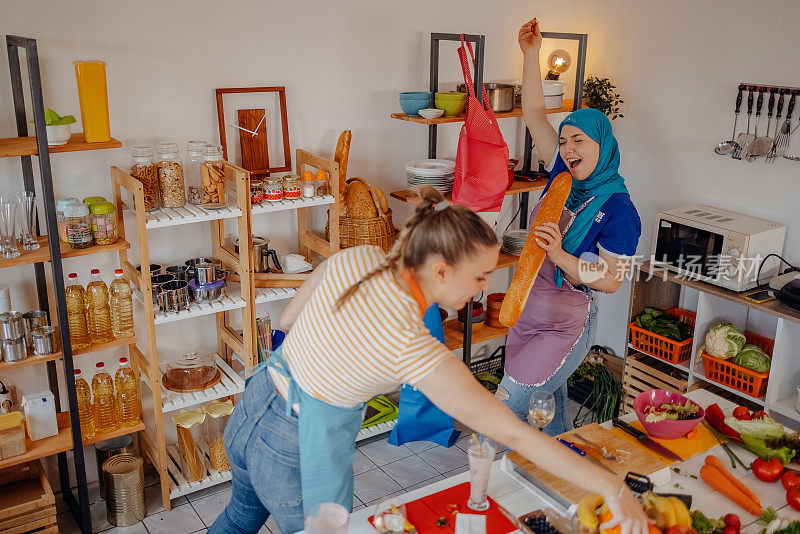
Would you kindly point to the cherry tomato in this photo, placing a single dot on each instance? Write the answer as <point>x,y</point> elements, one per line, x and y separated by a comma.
<point>793,497</point>
<point>742,414</point>
<point>790,479</point>
<point>770,471</point>
<point>761,414</point>
<point>676,529</point>
<point>732,520</point>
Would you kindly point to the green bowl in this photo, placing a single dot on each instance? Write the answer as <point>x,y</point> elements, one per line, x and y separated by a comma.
<point>451,95</point>
<point>452,108</point>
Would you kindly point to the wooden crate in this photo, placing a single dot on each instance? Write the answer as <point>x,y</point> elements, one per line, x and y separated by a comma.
<point>644,372</point>
<point>27,503</point>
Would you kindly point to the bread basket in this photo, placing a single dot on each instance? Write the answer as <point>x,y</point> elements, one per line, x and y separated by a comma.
<point>356,229</point>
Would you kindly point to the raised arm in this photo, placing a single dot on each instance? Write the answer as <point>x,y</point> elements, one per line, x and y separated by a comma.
<point>545,137</point>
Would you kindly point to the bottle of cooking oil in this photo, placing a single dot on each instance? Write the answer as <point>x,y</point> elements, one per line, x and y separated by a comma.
<point>128,405</point>
<point>85,408</point>
<point>121,307</point>
<point>105,405</point>
<point>98,314</point>
<point>76,315</point>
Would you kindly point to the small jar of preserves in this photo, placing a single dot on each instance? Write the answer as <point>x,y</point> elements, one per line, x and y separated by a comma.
<point>291,187</point>
<point>104,223</point>
<point>79,227</point>
<point>256,190</point>
<point>273,189</point>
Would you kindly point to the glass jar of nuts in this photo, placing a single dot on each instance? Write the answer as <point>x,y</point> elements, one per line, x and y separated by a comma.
<point>212,177</point>
<point>143,168</point>
<point>170,176</point>
<point>191,171</point>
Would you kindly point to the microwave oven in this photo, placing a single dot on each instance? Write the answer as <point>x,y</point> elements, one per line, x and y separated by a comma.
<point>717,246</point>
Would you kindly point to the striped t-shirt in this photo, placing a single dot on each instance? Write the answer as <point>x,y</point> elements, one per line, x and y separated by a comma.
<point>373,343</point>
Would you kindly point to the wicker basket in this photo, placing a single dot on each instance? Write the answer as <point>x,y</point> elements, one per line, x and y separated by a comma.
<point>378,231</point>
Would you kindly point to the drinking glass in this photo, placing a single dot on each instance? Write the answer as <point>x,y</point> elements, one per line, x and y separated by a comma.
<point>390,517</point>
<point>327,518</point>
<point>481,457</point>
<point>8,236</point>
<point>542,409</point>
<point>26,204</point>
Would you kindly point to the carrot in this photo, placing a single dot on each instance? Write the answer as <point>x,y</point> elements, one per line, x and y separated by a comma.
<point>715,462</point>
<point>714,478</point>
<point>693,434</point>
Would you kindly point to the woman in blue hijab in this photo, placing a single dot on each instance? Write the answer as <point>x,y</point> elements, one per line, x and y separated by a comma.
<point>590,249</point>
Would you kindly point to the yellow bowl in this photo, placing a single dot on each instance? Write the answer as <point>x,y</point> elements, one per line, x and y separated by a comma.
<point>451,108</point>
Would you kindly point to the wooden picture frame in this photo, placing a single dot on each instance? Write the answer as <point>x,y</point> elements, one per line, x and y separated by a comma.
<point>281,90</point>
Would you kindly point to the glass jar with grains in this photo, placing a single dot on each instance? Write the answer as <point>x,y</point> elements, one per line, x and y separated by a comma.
<point>212,176</point>
<point>143,168</point>
<point>191,171</point>
<point>79,227</point>
<point>104,223</point>
<point>170,176</point>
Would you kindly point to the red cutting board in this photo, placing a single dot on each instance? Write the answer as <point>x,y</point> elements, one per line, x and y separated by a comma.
<point>424,512</point>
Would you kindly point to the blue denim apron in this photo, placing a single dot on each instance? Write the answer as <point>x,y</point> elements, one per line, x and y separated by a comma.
<point>327,437</point>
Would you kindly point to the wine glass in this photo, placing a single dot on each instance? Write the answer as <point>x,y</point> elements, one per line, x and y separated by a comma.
<point>390,517</point>
<point>542,409</point>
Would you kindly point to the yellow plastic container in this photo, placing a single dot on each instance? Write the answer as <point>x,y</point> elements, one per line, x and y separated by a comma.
<point>93,96</point>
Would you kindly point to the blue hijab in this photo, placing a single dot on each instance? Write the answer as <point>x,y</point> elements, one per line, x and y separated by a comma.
<point>601,184</point>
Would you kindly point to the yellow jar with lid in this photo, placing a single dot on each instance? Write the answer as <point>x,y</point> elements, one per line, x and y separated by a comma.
<point>188,425</point>
<point>291,187</point>
<point>217,415</point>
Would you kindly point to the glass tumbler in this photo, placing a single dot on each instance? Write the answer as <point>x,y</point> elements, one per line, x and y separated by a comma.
<point>8,235</point>
<point>481,456</point>
<point>26,204</point>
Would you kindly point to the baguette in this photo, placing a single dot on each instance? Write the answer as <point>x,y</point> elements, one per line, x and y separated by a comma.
<point>533,255</point>
<point>341,156</point>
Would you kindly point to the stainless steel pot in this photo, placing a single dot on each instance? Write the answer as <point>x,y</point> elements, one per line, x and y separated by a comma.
<point>180,272</point>
<point>261,254</point>
<point>154,269</point>
<point>43,339</point>
<point>205,273</point>
<point>32,320</point>
<point>155,284</point>
<point>174,296</point>
<point>220,271</point>
<point>14,349</point>
<point>206,293</point>
<point>501,95</point>
<point>11,326</point>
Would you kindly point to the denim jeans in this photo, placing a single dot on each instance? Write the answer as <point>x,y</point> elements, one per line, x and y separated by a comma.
<point>519,395</point>
<point>262,447</point>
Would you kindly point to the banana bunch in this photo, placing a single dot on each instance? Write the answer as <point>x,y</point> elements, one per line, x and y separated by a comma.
<point>587,511</point>
<point>666,511</point>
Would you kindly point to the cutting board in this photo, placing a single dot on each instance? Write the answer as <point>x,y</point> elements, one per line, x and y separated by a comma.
<point>683,447</point>
<point>641,460</point>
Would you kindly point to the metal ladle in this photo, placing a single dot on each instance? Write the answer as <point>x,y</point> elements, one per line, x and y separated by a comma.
<point>726,147</point>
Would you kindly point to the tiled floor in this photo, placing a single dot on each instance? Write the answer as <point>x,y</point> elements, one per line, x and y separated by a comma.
<point>380,470</point>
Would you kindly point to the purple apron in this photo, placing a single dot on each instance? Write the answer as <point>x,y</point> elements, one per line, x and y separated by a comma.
<point>550,324</point>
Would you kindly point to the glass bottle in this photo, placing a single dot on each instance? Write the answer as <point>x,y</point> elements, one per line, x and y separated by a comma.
<point>105,405</point>
<point>121,304</point>
<point>76,313</point>
<point>170,176</point>
<point>191,171</point>
<point>143,168</point>
<point>98,313</point>
<point>128,405</point>
<point>104,223</point>
<point>79,226</point>
<point>62,224</point>
<point>85,408</point>
<point>212,177</point>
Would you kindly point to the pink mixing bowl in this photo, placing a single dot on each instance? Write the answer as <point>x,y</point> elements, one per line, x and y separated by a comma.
<point>669,429</point>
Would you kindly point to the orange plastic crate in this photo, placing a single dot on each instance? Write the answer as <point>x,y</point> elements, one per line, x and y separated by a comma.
<point>737,377</point>
<point>662,347</point>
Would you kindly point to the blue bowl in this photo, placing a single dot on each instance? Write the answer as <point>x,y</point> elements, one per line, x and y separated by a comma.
<point>411,107</point>
<point>277,337</point>
<point>406,95</point>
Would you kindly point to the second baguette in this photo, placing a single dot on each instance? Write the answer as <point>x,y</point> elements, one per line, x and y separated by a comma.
<point>533,255</point>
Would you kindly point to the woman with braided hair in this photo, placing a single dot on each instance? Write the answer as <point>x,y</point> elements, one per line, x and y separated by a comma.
<point>356,332</point>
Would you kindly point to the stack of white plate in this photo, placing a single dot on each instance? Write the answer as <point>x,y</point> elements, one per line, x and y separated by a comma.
<point>435,173</point>
<point>514,240</point>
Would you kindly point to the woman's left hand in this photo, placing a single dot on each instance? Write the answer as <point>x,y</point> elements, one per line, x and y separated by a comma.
<point>548,236</point>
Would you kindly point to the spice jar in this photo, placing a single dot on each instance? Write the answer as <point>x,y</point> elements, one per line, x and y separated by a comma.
<point>62,225</point>
<point>191,171</point>
<point>212,177</point>
<point>256,190</point>
<point>291,187</point>
<point>143,168</point>
<point>190,442</point>
<point>322,183</point>
<point>309,184</point>
<point>104,223</point>
<point>273,189</point>
<point>79,227</point>
<point>217,415</point>
<point>170,176</point>
<point>12,435</point>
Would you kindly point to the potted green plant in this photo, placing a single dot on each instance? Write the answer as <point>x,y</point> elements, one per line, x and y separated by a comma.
<point>598,93</point>
<point>58,130</point>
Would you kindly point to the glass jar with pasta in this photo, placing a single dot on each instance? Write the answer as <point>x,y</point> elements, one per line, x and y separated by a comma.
<point>217,415</point>
<point>143,168</point>
<point>170,176</point>
<point>190,444</point>
<point>212,175</point>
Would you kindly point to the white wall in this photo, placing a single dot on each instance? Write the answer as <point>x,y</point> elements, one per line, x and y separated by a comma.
<point>677,65</point>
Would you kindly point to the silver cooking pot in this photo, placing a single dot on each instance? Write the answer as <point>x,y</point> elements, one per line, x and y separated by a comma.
<point>501,95</point>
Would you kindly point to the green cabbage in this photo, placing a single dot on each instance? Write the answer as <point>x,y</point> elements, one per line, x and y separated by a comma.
<point>753,358</point>
<point>724,341</point>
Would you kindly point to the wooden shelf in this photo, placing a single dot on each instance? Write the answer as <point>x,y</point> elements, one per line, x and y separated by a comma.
<point>454,334</point>
<point>516,112</point>
<point>33,359</point>
<point>26,146</point>
<point>107,345</point>
<point>30,360</point>
<point>44,447</point>
<point>519,186</point>
<point>115,434</point>
<point>506,260</point>
<point>43,252</point>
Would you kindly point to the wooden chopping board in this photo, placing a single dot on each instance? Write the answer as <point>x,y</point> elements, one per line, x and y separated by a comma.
<point>641,460</point>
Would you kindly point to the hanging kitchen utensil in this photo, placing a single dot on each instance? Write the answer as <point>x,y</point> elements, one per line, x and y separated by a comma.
<point>792,157</point>
<point>782,140</point>
<point>745,138</point>
<point>762,145</point>
<point>759,104</point>
<point>771,153</point>
<point>726,147</point>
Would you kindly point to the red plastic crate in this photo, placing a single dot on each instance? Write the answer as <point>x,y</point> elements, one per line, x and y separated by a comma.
<point>737,377</point>
<point>662,347</point>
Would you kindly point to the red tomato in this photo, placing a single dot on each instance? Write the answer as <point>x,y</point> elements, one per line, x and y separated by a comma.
<point>732,520</point>
<point>742,414</point>
<point>790,479</point>
<point>770,471</point>
<point>761,414</point>
<point>730,530</point>
<point>676,529</point>
<point>793,497</point>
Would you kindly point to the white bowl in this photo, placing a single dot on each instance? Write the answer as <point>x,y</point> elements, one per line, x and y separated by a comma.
<point>58,135</point>
<point>553,87</point>
<point>431,113</point>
